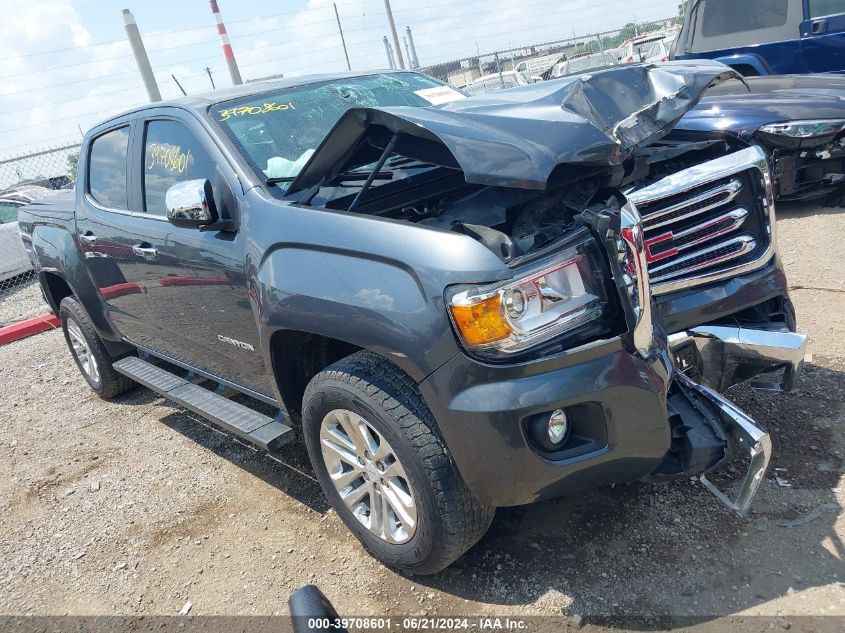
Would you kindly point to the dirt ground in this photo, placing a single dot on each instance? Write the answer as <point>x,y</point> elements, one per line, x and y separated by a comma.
<point>133,507</point>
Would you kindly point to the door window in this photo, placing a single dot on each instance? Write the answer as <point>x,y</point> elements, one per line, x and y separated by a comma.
<point>819,8</point>
<point>171,154</point>
<point>720,18</point>
<point>107,168</point>
<point>8,211</point>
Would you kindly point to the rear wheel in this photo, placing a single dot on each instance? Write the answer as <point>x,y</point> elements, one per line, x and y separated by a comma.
<point>385,468</point>
<point>89,352</point>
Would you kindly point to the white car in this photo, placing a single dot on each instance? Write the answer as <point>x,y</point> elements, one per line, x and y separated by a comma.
<point>583,63</point>
<point>660,51</point>
<point>530,71</point>
<point>14,260</point>
<point>635,49</point>
<point>494,83</point>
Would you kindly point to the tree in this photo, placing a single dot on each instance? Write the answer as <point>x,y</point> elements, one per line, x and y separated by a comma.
<point>72,162</point>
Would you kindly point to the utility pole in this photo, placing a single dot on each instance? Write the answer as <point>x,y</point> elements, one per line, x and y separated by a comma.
<point>140,53</point>
<point>478,57</point>
<point>234,72</point>
<point>414,61</point>
<point>342,39</point>
<point>395,36</point>
<point>408,52</point>
<point>178,84</point>
<point>388,52</point>
<point>210,78</point>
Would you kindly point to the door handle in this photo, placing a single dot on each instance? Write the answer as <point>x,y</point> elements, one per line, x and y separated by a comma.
<point>819,27</point>
<point>145,250</point>
<point>88,237</point>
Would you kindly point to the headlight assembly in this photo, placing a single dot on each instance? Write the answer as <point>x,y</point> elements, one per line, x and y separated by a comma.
<point>554,296</point>
<point>802,133</point>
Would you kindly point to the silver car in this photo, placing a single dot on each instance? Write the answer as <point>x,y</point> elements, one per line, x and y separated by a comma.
<point>14,260</point>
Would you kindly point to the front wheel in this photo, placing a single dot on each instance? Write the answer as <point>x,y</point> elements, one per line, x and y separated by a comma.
<point>385,468</point>
<point>89,353</point>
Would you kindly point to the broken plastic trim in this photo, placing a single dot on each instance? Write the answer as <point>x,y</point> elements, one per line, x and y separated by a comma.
<point>747,435</point>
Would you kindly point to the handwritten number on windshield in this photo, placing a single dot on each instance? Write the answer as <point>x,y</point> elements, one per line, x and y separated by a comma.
<point>262,109</point>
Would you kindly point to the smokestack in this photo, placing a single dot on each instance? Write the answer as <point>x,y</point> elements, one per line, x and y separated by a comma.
<point>389,52</point>
<point>140,53</point>
<point>393,31</point>
<point>234,73</point>
<point>414,61</point>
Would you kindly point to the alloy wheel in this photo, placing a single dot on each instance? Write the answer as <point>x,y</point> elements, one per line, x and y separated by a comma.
<point>368,476</point>
<point>82,351</point>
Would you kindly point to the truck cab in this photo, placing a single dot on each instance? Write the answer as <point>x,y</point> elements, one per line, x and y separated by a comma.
<point>766,37</point>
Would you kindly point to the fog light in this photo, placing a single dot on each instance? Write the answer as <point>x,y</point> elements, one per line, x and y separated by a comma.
<point>558,426</point>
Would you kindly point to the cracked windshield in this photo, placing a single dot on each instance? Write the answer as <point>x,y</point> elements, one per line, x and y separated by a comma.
<point>278,131</point>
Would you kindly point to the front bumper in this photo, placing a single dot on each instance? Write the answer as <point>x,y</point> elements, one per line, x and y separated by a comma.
<point>740,433</point>
<point>482,411</point>
<point>484,422</point>
<point>722,356</point>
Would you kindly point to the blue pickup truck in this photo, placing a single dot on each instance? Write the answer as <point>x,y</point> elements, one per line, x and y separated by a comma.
<point>766,37</point>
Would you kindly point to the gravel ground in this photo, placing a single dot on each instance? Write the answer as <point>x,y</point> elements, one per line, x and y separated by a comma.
<point>133,507</point>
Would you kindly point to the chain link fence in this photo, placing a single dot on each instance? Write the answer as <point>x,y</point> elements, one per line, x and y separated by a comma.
<point>494,70</point>
<point>24,179</point>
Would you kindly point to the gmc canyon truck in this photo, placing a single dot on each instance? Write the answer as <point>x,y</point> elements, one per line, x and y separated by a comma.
<point>461,303</point>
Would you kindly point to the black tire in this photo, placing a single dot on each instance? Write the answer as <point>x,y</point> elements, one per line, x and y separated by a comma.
<point>450,519</point>
<point>106,382</point>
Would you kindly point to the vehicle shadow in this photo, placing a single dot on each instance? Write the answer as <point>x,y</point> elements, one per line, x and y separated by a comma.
<point>670,549</point>
<point>287,469</point>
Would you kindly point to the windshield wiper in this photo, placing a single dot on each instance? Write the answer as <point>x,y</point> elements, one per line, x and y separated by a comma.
<point>276,181</point>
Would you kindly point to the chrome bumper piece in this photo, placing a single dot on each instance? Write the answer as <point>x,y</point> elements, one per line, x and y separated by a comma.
<point>746,435</point>
<point>726,355</point>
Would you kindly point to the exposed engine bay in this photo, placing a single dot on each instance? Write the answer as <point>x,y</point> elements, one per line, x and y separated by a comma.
<point>514,170</point>
<point>510,221</point>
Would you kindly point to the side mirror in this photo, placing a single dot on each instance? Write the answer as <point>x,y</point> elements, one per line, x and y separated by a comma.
<point>190,204</point>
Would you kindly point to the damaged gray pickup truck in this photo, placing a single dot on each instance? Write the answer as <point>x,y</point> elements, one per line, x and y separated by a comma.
<point>462,303</point>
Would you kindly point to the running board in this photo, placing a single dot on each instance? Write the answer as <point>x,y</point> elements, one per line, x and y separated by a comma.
<point>247,423</point>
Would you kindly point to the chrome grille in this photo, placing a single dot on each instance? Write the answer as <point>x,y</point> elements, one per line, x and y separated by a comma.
<point>707,222</point>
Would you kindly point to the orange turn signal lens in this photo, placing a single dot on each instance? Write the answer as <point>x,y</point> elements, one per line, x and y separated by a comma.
<point>481,322</point>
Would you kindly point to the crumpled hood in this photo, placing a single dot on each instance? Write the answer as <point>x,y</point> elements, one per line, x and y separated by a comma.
<point>744,108</point>
<point>517,137</point>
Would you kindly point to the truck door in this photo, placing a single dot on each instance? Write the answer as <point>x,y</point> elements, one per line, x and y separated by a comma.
<point>112,234</point>
<point>201,297</point>
<point>823,35</point>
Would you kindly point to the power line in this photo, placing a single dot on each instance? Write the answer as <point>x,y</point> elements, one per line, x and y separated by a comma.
<point>171,32</point>
<point>40,140</point>
<point>274,30</point>
<point>361,56</point>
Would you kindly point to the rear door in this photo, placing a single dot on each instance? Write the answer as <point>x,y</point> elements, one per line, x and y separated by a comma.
<point>823,35</point>
<point>113,234</point>
<point>754,36</point>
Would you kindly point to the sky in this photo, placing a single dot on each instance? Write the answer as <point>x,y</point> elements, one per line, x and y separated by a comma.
<point>65,64</point>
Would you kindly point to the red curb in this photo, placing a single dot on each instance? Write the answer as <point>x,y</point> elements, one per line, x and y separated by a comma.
<point>119,290</point>
<point>35,325</point>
